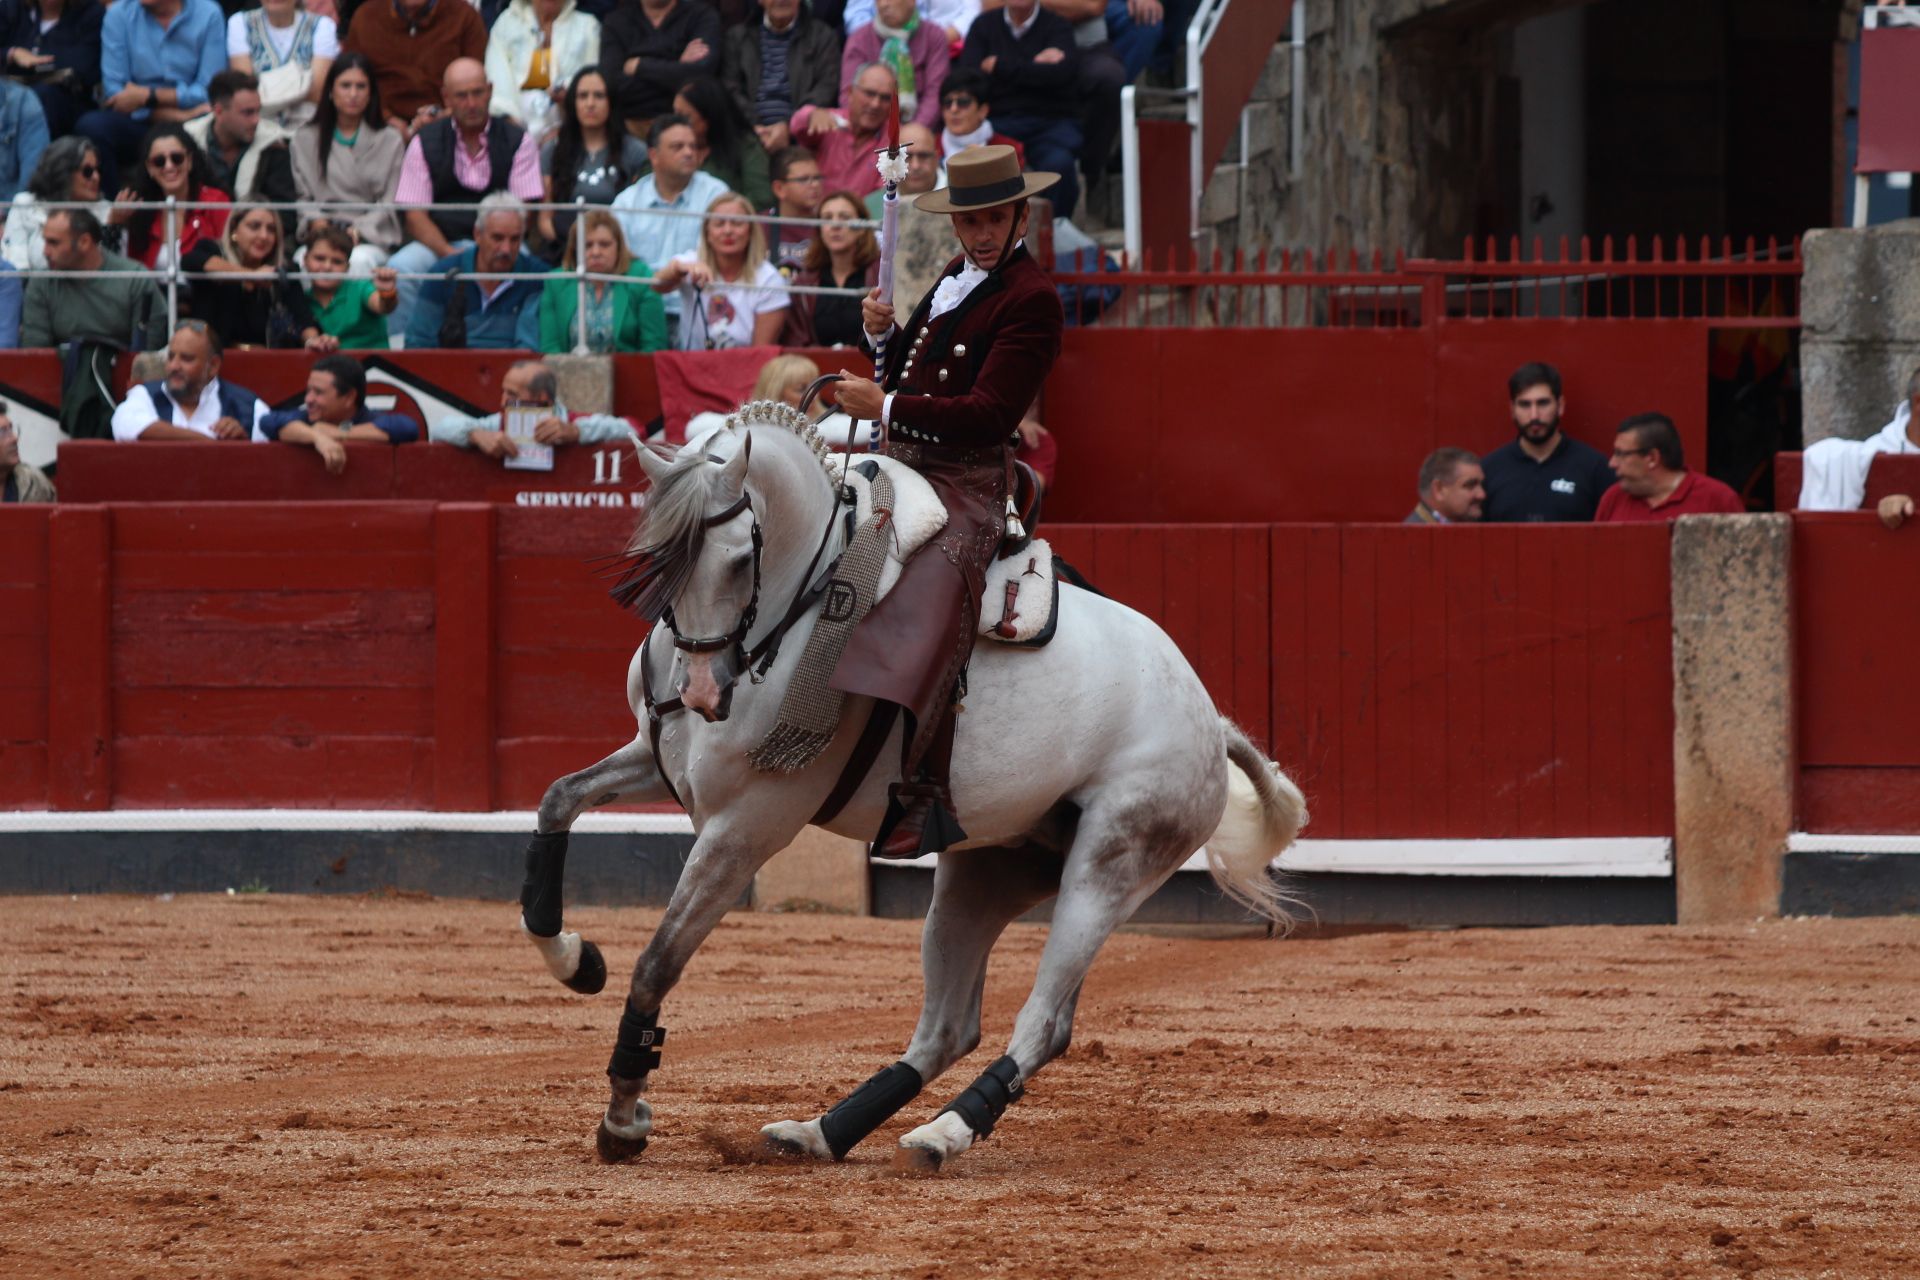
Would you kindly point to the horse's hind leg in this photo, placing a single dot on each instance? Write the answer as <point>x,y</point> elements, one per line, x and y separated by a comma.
<point>627,774</point>
<point>976,894</point>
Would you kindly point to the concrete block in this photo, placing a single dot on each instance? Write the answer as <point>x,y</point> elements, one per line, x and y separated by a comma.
<point>1221,200</point>
<point>586,382</point>
<point>1733,753</point>
<point>1266,128</point>
<point>1276,78</point>
<point>1862,284</point>
<point>819,871</point>
<point>1851,389</point>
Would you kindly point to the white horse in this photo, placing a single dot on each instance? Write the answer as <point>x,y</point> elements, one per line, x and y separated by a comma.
<point>1089,769</point>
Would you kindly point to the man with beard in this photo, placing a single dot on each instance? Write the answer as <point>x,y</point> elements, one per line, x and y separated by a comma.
<point>1542,474</point>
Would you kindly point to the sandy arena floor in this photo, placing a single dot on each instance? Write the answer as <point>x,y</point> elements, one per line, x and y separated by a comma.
<point>262,1085</point>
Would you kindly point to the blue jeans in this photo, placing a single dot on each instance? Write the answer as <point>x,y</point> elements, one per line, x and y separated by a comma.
<point>116,138</point>
<point>1052,146</point>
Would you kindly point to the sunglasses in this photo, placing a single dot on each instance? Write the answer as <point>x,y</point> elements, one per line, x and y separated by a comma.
<point>960,100</point>
<point>166,159</point>
<point>89,170</point>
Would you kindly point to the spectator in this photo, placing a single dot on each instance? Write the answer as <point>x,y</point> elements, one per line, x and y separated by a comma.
<point>1654,481</point>
<point>125,309</point>
<point>796,195</point>
<point>191,402</point>
<point>844,141</point>
<point>460,312</point>
<point>785,60</point>
<point>530,383</point>
<point>172,165</point>
<point>350,310</point>
<point>965,100</point>
<point>247,296</point>
<point>57,43</point>
<point>458,159</point>
<point>592,157</point>
<point>952,17</point>
<point>22,482</point>
<point>1099,81</point>
<point>1542,474</point>
<point>649,48</point>
<point>1032,60</point>
<point>156,60</point>
<point>334,412</point>
<point>13,293</point>
<point>925,171</point>
<point>730,295</point>
<point>68,170</point>
<point>23,136</point>
<point>916,51</point>
<point>289,50</point>
<point>412,44</point>
<point>841,258</point>
<point>1833,473</point>
<point>351,155</point>
<point>535,51</point>
<point>1453,488</point>
<point>1146,33</point>
<point>247,157</point>
<point>654,212</point>
<point>785,378</point>
<point>620,317</point>
<point>731,151</point>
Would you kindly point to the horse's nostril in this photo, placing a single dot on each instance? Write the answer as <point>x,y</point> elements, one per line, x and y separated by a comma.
<point>700,693</point>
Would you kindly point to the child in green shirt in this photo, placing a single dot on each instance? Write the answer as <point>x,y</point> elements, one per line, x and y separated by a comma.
<point>350,310</point>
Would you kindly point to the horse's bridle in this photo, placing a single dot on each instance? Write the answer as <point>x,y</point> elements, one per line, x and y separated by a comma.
<point>734,641</point>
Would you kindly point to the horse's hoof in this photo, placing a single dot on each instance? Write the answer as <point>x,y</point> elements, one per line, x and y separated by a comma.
<point>590,979</point>
<point>795,1139</point>
<point>916,1160</point>
<point>614,1149</point>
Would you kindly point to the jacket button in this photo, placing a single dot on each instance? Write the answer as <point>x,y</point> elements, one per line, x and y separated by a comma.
<point>943,375</point>
<point>959,348</point>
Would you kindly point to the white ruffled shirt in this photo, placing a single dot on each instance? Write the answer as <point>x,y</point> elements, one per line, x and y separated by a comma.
<point>948,294</point>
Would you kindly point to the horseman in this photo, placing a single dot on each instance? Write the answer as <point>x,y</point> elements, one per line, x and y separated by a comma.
<point>953,386</point>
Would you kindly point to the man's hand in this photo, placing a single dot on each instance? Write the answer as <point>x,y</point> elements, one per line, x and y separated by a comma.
<point>1047,57</point>
<point>630,66</point>
<point>555,431</point>
<point>120,214</point>
<point>696,49</point>
<point>27,59</point>
<point>876,317</point>
<point>823,120</point>
<point>1032,433</point>
<point>322,342</point>
<point>987,64</point>
<point>229,429</point>
<point>774,137</point>
<point>495,444</point>
<point>331,451</point>
<point>859,397</point>
<point>1896,510</point>
<point>386,280</point>
<point>1147,13</point>
<point>424,117</point>
<point>129,100</point>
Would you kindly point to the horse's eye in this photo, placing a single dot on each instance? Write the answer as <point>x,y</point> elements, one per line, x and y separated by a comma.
<point>742,563</point>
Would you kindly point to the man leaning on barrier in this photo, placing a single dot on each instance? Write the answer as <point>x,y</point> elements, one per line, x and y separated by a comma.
<point>334,413</point>
<point>191,402</point>
<point>529,383</point>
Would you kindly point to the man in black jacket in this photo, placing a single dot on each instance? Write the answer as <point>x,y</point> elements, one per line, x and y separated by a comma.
<point>649,48</point>
<point>61,63</point>
<point>781,59</point>
<point>1032,59</point>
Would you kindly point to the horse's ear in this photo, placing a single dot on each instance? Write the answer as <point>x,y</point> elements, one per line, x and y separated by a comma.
<point>734,472</point>
<point>652,464</point>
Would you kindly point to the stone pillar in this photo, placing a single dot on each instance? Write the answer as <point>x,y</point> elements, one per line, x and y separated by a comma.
<point>586,382</point>
<point>1860,335</point>
<point>1733,742</point>
<point>819,871</point>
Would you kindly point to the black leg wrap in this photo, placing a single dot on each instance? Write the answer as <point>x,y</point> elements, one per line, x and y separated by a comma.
<point>988,1097</point>
<point>868,1107</point>
<point>637,1051</point>
<point>540,895</point>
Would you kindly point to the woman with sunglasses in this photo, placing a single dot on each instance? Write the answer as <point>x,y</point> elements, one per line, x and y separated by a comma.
<point>350,155</point>
<point>730,295</point>
<point>838,257</point>
<point>68,170</point>
<point>171,165</point>
<point>248,298</point>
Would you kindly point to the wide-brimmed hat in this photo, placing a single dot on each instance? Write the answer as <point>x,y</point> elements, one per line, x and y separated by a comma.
<point>982,177</point>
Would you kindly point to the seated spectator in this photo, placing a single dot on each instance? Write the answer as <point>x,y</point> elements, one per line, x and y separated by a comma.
<point>915,50</point>
<point>844,141</point>
<point>458,159</point>
<point>1101,77</point>
<point>55,45</point>
<point>1147,33</point>
<point>411,45</point>
<point>649,48</point>
<point>653,211</point>
<point>1453,488</point>
<point>965,100</point>
<point>1654,481</point>
<point>351,155</point>
<point>953,17</point>
<point>22,482</point>
<point>247,295</point>
<point>730,295</point>
<point>796,194</point>
<point>334,412</point>
<point>839,257</point>
<point>247,157</point>
<point>23,136</point>
<point>779,60</point>
<point>620,317</point>
<point>535,51</point>
<point>1032,60</point>
<point>785,378</point>
<point>124,309</point>
<point>925,171</point>
<point>171,165</point>
<point>1542,474</point>
<point>156,59</point>
<point>1833,473</point>
<point>288,49</point>
<point>68,170</point>
<point>592,157</point>
<point>731,151</point>
<point>530,383</point>
<point>459,311</point>
<point>350,310</point>
<point>191,402</point>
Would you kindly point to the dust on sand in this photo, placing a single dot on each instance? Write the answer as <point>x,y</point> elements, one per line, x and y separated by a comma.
<point>348,1087</point>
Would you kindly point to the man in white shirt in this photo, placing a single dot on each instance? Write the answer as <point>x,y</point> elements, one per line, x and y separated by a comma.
<point>1833,472</point>
<point>676,184</point>
<point>190,403</point>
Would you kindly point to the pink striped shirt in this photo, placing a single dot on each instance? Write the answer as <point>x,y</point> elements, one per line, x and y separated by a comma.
<point>471,170</point>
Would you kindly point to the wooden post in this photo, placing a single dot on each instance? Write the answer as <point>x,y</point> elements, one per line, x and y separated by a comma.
<point>79,658</point>
<point>463,677</point>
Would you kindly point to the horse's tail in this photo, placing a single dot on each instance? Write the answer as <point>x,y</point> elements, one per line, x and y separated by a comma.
<point>1265,811</point>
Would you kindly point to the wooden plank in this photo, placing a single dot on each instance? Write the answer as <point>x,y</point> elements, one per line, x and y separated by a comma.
<point>1527,700</point>
<point>1607,690</point>
<point>463,671</point>
<point>339,528</point>
<point>23,775</point>
<point>80,707</point>
<point>1572,631</point>
<point>299,569</point>
<point>1321,700</point>
<point>297,713</point>
<point>1859,704</point>
<point>271,657</point>
<point>1462,570</point>
<point>274,771</point>
<point>564,694</point>
<point>547,604</point>
<point>1855,799</point>
<point>1287,657</point>
<point>1251,705</point>
<point>1427,702</point>
<point>579,534</point>
<point>526,766</point>
<point>23,613</point>
<point>1359,691</point>
<point>1395,640</point>
<point>335,614</point>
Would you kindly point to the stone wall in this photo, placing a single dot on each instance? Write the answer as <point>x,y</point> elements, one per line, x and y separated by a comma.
<point>1860,340</point>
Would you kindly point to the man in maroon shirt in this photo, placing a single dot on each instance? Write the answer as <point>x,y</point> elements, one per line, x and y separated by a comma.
<point>1654,481</point>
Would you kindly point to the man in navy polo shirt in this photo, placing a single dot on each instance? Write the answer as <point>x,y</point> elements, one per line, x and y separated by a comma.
<point>1542,474</point>
<point>335,412</point>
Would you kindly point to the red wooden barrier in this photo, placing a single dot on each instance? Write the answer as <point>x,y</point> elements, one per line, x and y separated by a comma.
<point>24,603</point>
<point>1891,473</point>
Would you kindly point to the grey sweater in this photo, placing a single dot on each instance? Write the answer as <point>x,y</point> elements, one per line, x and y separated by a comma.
<point>125,308</point>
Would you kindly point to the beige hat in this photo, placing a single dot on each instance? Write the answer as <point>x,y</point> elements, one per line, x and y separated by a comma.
<point>982,177</point>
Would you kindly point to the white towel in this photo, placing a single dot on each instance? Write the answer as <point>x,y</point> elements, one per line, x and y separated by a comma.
<point>1833,473</point>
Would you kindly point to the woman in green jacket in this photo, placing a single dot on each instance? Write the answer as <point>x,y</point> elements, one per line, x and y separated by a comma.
<point>621,317</point>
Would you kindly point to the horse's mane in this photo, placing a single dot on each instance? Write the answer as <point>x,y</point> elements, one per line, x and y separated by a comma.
<point>660,555</point>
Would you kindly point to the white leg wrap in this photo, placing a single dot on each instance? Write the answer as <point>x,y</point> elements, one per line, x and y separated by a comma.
<point>642,1123</point>
<point>561,952</point>
<point>946,1136</point>
<point>804,1134</point>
